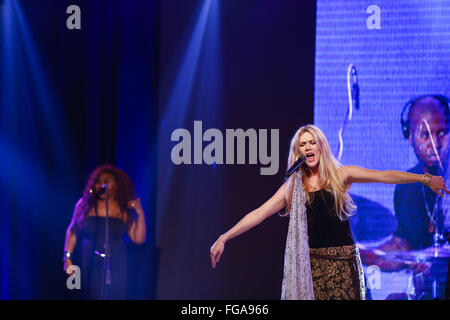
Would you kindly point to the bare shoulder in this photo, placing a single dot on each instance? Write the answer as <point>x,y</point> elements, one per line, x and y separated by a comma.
<point>347,174</point>
<point>76,211</point>
<point>344,173</point>
<point>78,206</point>
<point>79,203</point>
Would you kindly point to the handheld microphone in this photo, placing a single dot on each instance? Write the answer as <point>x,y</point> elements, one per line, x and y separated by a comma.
<point>295,166</point>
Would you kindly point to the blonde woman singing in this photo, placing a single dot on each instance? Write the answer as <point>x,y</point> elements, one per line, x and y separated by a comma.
<point>321,260</point>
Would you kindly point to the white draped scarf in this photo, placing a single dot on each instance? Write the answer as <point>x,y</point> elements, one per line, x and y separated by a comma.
<point>297,278</point>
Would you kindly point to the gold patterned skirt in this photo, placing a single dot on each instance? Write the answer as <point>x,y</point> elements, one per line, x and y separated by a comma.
<point>337,273</point>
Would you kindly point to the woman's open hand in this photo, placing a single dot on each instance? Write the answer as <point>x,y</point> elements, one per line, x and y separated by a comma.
<point>216,251</point>
<point>437,183</point>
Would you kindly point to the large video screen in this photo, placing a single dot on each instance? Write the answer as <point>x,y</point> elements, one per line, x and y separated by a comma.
<point>374,62</point>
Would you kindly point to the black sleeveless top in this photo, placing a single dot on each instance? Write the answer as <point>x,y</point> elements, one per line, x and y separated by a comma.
<point>325,229</point>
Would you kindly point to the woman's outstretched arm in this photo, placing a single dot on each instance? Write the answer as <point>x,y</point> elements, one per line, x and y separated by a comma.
<point>353,174</point>
<point>252,219</point>
<point>71,237</point>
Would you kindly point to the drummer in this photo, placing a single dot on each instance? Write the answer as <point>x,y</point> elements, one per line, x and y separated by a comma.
<point>416,208</point>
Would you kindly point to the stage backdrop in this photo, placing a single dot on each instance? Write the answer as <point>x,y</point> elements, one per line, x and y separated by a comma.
<point>400,50</point>
<point>227,65</point>
<point>71,100</point>
<point>198,100</point>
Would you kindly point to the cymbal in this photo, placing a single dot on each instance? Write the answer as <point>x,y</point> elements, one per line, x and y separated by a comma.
<point>424,255</point>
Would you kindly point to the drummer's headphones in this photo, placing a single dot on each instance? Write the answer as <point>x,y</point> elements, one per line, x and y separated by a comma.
<point>445,101</point>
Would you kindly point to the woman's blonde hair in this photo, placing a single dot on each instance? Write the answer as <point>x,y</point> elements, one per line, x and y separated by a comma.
<point>328,173</point>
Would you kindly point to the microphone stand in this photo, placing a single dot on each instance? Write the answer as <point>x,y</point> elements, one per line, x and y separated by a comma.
<point>353,94</point>
<point>107,261</point>
<point>436,238</point>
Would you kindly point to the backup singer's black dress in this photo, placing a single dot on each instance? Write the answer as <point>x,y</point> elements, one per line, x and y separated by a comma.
<point>335,265</point>
<point>92,271</point>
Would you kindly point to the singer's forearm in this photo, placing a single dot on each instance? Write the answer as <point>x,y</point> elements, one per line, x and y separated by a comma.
<point>140,231</point>
<point>249,221</point>
<point>70,241</point>
<point>255,217</point>
<point>72,230</point>
<point>400,177</point>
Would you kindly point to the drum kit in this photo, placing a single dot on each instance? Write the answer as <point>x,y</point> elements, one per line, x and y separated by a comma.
<point>425,255</point>
<point>435,257</point>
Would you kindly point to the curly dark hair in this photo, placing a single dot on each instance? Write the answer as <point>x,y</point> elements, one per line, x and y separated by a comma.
<point>125,193</point>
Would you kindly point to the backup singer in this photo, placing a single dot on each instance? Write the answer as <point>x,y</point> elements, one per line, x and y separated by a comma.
<point>126,216</point>
<point>321,259</point>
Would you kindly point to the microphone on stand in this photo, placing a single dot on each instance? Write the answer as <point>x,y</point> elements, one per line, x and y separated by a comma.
<point>355,87</point>
<point>95,193</point>
<point>353,102</point>
<point>107,256</point>
<point>295,166</point>
<point>102,189</point>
